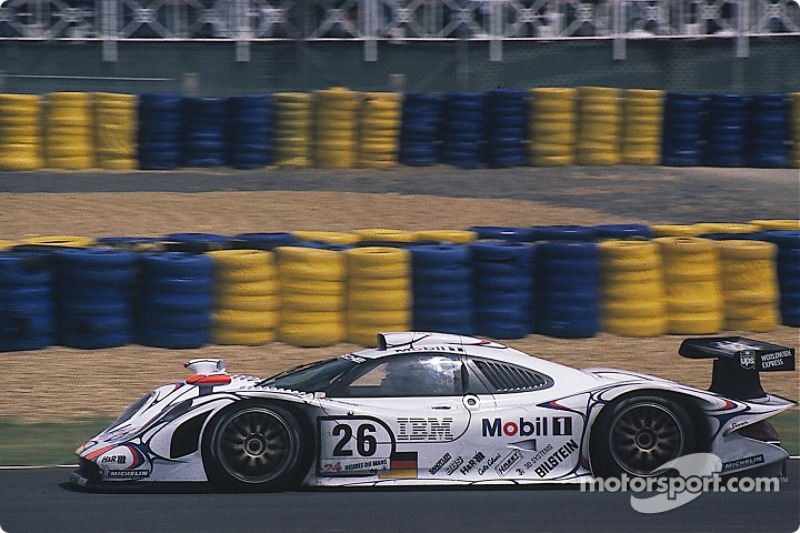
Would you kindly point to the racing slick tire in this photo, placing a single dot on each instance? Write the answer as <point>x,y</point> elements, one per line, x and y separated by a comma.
<point>638,434</point>
<point>253,446</point>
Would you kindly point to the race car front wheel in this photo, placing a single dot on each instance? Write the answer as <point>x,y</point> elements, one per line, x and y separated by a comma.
<point>638,435</point>
<point>253,446</point>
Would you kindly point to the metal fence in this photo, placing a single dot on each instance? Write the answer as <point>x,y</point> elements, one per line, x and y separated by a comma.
<point>396,21</point>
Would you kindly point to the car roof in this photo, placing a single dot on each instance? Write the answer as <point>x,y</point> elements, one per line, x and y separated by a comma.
<point>394,343</point>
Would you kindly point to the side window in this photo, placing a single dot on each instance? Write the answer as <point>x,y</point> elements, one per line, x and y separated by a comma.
<point>408,375</point>
<point>503,378</point>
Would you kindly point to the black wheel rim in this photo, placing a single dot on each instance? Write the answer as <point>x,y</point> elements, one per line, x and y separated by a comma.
<point>255,445</point>
<point>644,437</point>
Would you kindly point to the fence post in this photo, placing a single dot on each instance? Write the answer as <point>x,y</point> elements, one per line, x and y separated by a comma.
<point>109,29</point>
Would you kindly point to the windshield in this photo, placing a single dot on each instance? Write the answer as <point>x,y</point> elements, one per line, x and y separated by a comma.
<point>314,377</point>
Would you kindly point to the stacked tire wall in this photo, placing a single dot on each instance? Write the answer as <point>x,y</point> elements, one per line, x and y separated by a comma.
<point>316,288</point>
<point>341,128</point>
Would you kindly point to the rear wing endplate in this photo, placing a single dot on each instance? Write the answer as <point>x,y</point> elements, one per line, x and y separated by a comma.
<point>738,362</point>
<point>748,354</point>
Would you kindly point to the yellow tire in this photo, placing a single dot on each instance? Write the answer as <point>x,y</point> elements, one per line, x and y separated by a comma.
<point>250,288</point>
<point>64,241</point>
<point>636,327</point>
<point>312,302</point>
<point>311,317</point>
<point>387,300</point>
<point>674,230</point>
<point>237,302</point>
<point>633,308</point>
<point>246,320</point>
<point>331,237</point>
<point>690,324</point>
<point>242,338</point>
<point>312,335</point>
<point>312,287</point>
<point>777,224</point>
<point>311,263</point>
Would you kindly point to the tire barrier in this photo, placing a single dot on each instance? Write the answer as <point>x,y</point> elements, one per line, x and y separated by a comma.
<point>727,121</point>
<point>567,278</point>
<point>175,300</point>
<point>68,136</point>
<point>642,120</point>
<point>115,126</point>
<point>633,302</point>
<point>335,128</point>
<point>27,310</point>
<point>788,242</point>
<point>463,129</point>
<point>203,132</point>
<point>769,225</point>
<point>293,112</point>
<point>379,130</point>
<point>794,123</point>
<point>502,233</point>
<point>681,140</point>
<point>195,242</point>
<point>384,237</point>
<point>768,132</point>
<point>328,237</point>
<point>378,292</point>
<point>20,132</point>
<point>692,282</point>
<point>564,232</point>
<point>159,136</point>
<point>722,231</point>
<point>419,131</point>
<point>262,241</point>
<point>453,236</point>
<point>312,294</point>
<point>749,285</point>
<point>552,119</point>
<point>503,288</point>
<point>48,242</point>
<point>599,126</point>
<point>246,297</point>
<point>623,232</point>
<point>249,129</point>
<point>94,297</point>
<point>506,125</point>
<point>675,230</point>
<point>442,289</point>
<point>134,244</point>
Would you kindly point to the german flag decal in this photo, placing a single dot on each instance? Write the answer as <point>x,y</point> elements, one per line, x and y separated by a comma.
<point>401,465</point>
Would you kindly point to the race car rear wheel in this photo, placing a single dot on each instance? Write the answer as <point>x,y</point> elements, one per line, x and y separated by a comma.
<point>638,435</point>
<point>253,446</point>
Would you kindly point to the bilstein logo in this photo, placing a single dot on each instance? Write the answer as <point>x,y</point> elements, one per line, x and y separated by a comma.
<point>539,427</point>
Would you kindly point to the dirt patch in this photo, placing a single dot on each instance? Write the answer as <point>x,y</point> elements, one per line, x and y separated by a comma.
<point>61,383</point>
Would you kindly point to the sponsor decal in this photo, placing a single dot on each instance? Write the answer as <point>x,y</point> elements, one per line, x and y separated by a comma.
<point>527,465</point>
<point>128,473</point>
<point>116,459</point>
<point>747,360</point>
<point>353,358</point>
<point>489,462</point>
<point>541,426</point>
<point>472,463</point>
<point>452,467</point>
<point>425,429</point>
<point>742,463</point>
<point>556,458</point>
<point>401,465</point>
<point>366,465</point>
<point>440,463</point>
<point>508,462</point>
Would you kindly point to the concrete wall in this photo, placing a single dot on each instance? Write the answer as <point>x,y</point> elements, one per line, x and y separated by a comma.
<point>211,69</point>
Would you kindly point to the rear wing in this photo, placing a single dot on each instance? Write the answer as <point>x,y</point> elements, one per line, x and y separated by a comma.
<point>738,361</point>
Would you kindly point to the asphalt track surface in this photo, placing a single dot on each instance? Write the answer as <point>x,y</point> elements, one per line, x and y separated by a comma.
<point>42,501</point>
<point>654,194</point>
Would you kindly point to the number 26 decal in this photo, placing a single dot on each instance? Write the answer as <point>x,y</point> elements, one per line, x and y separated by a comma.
<point>366,443</point>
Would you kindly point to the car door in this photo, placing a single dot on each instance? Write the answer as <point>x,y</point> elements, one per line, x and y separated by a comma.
<point>406,416</point>
<point>527,434</point>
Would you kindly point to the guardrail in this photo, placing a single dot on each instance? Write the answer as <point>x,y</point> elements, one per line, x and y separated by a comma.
<point>373,21</point>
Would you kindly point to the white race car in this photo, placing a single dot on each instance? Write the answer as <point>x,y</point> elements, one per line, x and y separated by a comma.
<point>437,409</point>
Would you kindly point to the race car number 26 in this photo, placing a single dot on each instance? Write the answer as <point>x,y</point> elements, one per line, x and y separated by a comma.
<point>353,446</point>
